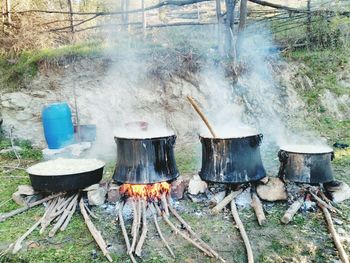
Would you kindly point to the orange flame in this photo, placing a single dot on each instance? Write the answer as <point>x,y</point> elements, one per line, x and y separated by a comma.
<point>145,191</point>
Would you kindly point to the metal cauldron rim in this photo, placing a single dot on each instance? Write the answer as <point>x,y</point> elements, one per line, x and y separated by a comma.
<point>143,138</point>
<point>285,148</point>
<point>227,138</point>
<point>29,169</point>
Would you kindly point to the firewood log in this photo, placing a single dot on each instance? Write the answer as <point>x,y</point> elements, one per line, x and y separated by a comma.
<point>292,210</point>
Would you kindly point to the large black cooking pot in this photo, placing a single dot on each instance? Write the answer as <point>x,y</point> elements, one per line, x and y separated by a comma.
<point>305,165</point>
<point>145,160</point>
<point>66,182</point>
<point>232,160</point>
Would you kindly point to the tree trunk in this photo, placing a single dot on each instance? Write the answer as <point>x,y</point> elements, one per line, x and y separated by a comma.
<point>143,17</point>
<point>71,18</point>
<point>3,14</point>
<point>230,7</point>
<point>308,27</point>
<point>218,10</point>
<point>8,10</point>
<point>242,15</point>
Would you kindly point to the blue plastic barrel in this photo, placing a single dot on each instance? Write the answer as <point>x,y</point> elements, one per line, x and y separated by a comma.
<point>58,125</point>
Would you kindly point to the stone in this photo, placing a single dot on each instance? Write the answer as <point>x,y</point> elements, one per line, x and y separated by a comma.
<point>199,198</point>
<point>342,194</point>
<point>178,188</point>
<point>113,194</point>
<point>197,186</point>
<point>97,197</point>
<point>341,231</point>
<point>274,190</point>
<point>264,180</point>
<point>91,187</point>
<point>217,198</point>
<point>33,244</point>
<point>25,190</point>
<point>18,198</point>
<point>16,100</point>
<point>244,199</point>
<point>337,221</point>
<point>23,116</point>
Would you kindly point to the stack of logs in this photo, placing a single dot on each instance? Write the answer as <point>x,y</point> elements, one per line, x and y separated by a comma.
<point>306,192</point>
<point>157,208</point>
<point>59,210</point>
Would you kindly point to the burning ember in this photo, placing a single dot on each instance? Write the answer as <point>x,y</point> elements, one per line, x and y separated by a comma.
<point>148,192</point>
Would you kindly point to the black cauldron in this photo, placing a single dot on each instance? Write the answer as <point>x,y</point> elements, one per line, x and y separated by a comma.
<point>232,160</point>
<point>145,161</point>
<point>302,165</point>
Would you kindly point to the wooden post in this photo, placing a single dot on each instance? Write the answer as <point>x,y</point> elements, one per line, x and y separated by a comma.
<point>3,14</point>
<point>242,15</point>
<point>230,7</point>
<point>126,14</point>
<point>8,10</point>
<point>71,18</point>
<point>198,13</point>
<point>309,16</point>
<point>218,11</point>
<point>143,17</point>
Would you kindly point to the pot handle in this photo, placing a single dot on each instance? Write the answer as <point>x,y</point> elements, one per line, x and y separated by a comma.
<point>283,156</point>
<point>332,156</point>
<point>256,140</point>
<point>171,140</point>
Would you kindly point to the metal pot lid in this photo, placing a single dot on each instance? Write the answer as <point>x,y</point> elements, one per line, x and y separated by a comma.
<point>65,166</point>
<point>306,148</point>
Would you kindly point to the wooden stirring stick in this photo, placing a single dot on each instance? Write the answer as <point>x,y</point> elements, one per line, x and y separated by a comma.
<point>201,114</point>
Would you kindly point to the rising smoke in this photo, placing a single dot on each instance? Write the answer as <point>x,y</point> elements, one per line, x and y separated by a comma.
<point>128,93</point>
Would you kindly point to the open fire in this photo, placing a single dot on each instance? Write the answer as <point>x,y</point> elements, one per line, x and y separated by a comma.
<point>153,200</point>
<point>148,192</point>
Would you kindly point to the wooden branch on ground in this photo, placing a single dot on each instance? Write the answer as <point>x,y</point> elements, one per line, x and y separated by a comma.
<point>5,216</point>
<point>135,225</point>
<point>292,210</point>
<point>342,254</point>
<point>177,231</point>
<point>225,201</point>
<point>161,236</point>
<point>189,229</point>
<point>90,212</point>
<point>70,214</point>
<point>94,232</point>
<point>242,231</point>
<point>125,234</point>
<point>47,217</point>
<point>18,243</point>
<point>144,229</point>
<point>164,204</point>
<point>258,208</point>
<point>64,216</point>
<point>323,203</point>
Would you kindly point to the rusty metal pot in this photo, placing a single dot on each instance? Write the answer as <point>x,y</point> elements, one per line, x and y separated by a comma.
<point>145,161</point>
<point>306,164</point>
<point>232,160</point>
